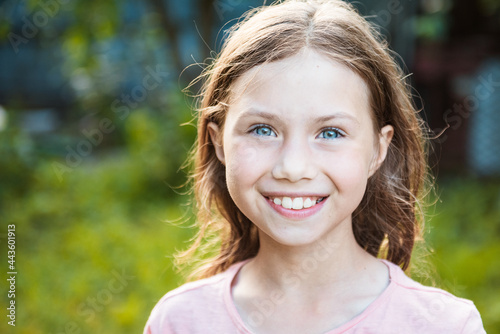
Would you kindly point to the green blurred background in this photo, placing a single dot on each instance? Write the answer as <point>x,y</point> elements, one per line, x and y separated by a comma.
<point>91,145</point>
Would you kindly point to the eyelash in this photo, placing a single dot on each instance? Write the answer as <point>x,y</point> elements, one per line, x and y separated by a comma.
<point>339,133</point>
<point>262,126</point>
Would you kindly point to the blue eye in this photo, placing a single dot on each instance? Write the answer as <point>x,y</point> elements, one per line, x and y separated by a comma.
<point>331,133</point>
<point>263,130</point>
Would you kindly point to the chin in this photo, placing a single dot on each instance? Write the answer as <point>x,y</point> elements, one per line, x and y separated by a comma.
<point>295,239</point>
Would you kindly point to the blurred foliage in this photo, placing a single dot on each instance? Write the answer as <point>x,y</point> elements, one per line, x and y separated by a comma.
<point>103,219</point>
<point>464,233</point>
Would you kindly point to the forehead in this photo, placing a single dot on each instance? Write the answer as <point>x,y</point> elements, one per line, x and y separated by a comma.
<point>307,83</point>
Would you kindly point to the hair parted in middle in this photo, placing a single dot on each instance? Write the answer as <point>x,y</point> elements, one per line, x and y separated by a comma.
<point>387,221</point>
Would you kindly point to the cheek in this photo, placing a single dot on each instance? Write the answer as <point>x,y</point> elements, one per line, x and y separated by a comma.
<point>349,171</point>
<point>243,164</point>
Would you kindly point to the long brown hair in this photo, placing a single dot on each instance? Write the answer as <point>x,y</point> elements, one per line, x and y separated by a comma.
<point>387,222</point>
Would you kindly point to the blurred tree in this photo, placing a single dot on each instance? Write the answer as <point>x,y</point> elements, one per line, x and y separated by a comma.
<point>204,13</point>
<point>96,48</point>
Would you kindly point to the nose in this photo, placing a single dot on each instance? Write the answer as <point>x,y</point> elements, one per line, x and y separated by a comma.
<point>295,161</point>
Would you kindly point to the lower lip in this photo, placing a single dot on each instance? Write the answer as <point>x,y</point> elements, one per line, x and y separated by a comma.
<point>297,214</point>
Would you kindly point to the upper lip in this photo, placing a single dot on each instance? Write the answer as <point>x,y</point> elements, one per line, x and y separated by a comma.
<point>293,194</point>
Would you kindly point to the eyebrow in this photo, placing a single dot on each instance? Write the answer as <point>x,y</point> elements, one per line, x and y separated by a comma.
<point>273,117</point>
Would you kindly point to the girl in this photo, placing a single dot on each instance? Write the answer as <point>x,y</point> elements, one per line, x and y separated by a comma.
<point>309,166</point>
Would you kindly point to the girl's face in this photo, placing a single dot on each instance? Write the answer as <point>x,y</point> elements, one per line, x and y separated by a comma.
<point>299,146</point>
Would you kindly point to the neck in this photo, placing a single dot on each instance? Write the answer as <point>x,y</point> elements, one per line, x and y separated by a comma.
<point>335,261</point>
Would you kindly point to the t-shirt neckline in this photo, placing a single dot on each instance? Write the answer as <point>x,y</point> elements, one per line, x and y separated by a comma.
<point>238,321</point>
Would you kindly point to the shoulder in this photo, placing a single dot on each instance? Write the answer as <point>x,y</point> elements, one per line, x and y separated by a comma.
<point>191,294</point>
<point>431,309</point>
<point>203,300</point>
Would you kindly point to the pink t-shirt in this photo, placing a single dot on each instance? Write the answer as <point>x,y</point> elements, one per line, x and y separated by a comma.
<point>206,306</point>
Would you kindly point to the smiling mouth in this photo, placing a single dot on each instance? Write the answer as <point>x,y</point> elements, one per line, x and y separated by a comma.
<point>296,203</point>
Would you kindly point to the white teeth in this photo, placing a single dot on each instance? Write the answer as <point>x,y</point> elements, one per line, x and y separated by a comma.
<point>287,202</point>
<point>298,203</point>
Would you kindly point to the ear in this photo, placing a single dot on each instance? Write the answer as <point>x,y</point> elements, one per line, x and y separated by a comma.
<point>216,137</point>
<point>384,139</point>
